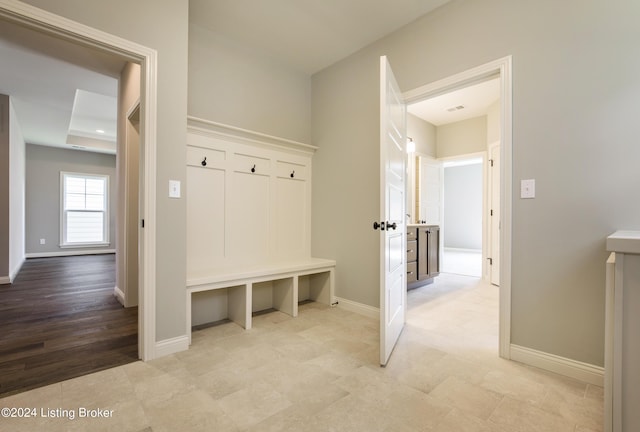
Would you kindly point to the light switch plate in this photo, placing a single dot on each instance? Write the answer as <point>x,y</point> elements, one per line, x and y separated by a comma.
<point>174,188</point>
<point>528,188</point>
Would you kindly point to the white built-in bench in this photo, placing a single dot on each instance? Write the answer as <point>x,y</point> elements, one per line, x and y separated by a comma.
<point>289,283</point>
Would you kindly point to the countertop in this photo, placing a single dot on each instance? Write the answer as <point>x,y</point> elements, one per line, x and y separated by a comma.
<point>624,242</point>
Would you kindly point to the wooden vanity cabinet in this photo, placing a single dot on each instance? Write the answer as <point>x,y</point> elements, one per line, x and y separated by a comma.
<point>423,254</point>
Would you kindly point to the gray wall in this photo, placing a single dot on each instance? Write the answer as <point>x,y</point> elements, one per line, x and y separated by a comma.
<point>463,207</point>
<point>461,138</point>
<point>43,166</point>
<point>162,26</point>
<point>238,85</point>
<point>423,134</point>
<point>574,130</point>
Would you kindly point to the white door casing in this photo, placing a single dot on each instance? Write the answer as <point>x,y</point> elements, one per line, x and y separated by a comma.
<point>393,290</point>
<point>503,68</point>
<point>494,213</point>
<point>39,20</point>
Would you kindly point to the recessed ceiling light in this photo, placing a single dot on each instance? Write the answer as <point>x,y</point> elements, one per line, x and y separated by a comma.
<point>100,131</point>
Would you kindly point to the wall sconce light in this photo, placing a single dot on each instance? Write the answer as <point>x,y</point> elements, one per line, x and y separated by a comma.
<point>411,146</point>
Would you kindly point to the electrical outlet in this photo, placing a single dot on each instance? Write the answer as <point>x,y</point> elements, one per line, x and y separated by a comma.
<point>43,241</point>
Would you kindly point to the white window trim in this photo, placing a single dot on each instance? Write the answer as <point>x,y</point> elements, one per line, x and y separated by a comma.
<point>63,244</point>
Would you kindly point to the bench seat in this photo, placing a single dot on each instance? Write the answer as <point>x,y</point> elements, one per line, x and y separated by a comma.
<point>285,277</point>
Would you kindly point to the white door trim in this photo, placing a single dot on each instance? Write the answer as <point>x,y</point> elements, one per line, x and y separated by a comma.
<point>489,205</point>
<point>60,27</point>
<point>502,68</point>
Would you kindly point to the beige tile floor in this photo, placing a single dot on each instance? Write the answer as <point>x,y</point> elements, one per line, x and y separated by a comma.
<point>319,372</point>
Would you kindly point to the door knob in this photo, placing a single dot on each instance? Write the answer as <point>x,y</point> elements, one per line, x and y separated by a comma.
<point>392,225</point>
<point>377,225</point>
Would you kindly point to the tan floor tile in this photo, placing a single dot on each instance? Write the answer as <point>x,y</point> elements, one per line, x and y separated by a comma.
<point>518,416</point>
<point>194,411</point>
<point>97,390</point>
<point>336,363</point>
<point>517,387</point>
<point>352,414</point>
<point>459,421</point>
<point>583,411</point>
<point>253,404</point>
<point>467,397</point>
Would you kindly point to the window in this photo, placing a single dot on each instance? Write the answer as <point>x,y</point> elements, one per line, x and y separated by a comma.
<point>85,220</point>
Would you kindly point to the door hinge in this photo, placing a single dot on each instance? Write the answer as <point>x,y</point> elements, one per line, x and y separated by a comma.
<point>142,223</point>
<point>491,214</point>
<point>490,261</point>
<point>491,160</point>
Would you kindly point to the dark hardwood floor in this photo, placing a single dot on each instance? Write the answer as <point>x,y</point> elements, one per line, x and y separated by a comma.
<point>60,319</point>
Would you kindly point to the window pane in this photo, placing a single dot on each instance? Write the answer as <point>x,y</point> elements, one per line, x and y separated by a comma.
<point>75,202</point>
<point>95,186</point>
<point>75,185</point>
<point>95,202</point>
<point>85,227</point>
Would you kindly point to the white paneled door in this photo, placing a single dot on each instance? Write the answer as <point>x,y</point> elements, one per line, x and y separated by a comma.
<point>393,287</point>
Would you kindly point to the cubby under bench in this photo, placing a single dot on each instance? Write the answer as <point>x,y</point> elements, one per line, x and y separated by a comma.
<point>280,286</point>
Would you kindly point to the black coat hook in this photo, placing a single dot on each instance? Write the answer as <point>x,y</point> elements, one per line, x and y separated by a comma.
<point>253,169</point>
<point>293,173</point>
<point>204,161</point>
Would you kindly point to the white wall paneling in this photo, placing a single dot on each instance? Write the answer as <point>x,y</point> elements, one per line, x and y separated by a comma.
<point>248,225</point>
<point>248,201</point>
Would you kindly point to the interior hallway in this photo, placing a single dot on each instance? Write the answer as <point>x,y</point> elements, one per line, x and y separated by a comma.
<point>319,372</point>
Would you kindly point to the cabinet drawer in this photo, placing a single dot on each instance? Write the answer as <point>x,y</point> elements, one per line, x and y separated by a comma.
<point>412,272</point>
<point>251,164</point>
<point>291,170</point>
<point>412,250</point>
<point>412,234</point>
<point>205,158</point>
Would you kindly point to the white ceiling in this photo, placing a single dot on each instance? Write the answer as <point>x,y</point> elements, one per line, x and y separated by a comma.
<point>43,75</point>
<point>308,35</point>
<point>445,109</point>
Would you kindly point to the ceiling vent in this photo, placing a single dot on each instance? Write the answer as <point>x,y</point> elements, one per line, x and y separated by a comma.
<point>456,108</point>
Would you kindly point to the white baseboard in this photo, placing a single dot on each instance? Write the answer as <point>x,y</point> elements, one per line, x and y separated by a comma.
<point>16,270</point>
<point>171,346</point>
<point>70,253</point>
<point>584,372</point>
<point>359,308</point>
<point>119,295</point>
<point>12,275</point>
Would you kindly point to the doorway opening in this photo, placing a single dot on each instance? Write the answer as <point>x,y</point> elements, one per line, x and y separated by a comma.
<point>462,242</point>
<point>450,143</point>
<point>80,37</point>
